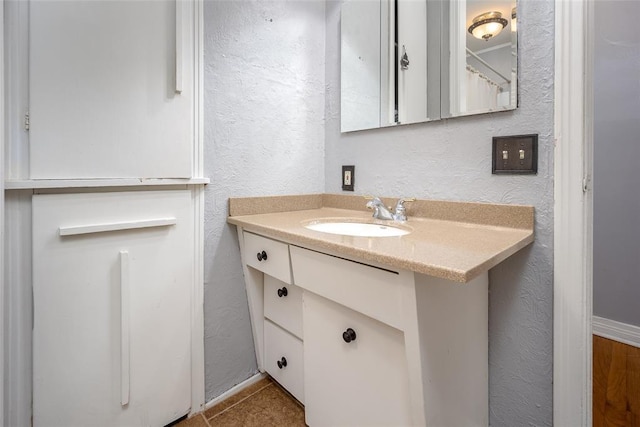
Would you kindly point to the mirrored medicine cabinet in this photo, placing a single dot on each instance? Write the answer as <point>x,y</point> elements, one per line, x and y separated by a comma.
<point>412,61</point>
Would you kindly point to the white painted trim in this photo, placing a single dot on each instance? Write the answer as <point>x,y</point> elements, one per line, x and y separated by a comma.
<point>572,220</point>
<point>617,331</point>
<point>234,390</point>
<point>179,46</point>
<point>125,329</point>
<point>32,184</point>
<point>198,90</point>
<point>116,226</point>
<point>2,281</point>
<point>197,305</point>
<point>16,33</point>
<point>197,299</point>
<point>18,309</point>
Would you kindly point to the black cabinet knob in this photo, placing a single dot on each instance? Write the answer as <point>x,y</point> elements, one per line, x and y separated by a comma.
<point>262,256</point>
<point>349,335</point>
<point>283,292</point>
<point>282,363</point>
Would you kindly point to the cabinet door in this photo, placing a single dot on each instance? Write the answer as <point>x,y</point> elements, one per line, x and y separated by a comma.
<point>102,86</point>
<point>112,279</point>
<point>359,383</point>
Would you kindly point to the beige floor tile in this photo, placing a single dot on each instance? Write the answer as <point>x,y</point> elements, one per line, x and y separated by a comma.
<point>270,407</point>
<point>195,421</point>
<point>232,400</point>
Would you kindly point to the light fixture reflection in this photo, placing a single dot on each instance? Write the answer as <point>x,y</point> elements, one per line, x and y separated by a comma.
<point>487,25</point>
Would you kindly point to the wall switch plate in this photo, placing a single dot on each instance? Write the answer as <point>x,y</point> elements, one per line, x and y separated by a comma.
<point>348,175</point>
<point>515,154</point>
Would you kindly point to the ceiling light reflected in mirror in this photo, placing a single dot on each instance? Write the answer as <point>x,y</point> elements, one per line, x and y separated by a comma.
<point>487,25</point>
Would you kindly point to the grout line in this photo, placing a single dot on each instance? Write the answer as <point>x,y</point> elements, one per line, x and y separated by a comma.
<point>239,388</point>
<point>206,421</point>
<point>240,401</point>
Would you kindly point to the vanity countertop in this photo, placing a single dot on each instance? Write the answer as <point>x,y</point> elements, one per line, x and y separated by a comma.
<point>450,240</point>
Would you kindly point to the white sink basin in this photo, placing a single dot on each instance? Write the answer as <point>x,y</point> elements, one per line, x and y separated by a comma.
<point>361,229</point>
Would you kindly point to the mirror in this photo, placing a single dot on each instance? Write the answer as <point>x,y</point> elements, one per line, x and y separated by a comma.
<point>411,61</point>
<point>481,69</point>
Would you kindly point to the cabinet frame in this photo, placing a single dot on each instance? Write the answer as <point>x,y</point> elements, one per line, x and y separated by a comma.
<point>2,238</point>
<point>18,189</point>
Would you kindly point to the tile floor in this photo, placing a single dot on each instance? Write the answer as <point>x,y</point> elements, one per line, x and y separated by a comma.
<point>262,404</point>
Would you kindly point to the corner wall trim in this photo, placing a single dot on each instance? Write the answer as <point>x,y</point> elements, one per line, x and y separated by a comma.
<point>573,221</point>
<point>235,389</point>
<point>617,331</point>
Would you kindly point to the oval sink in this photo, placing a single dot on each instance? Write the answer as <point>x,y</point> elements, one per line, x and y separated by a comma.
<point>360,229</point>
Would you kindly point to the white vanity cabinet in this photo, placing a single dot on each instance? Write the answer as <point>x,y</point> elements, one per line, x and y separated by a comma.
<point>381,346</point>
<point>112,290</point>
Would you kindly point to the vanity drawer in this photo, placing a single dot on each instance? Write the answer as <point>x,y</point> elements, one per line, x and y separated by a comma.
<point>276,263</point>
<point>370,290</point>
<point>281,347</point>
<point>283,305</point>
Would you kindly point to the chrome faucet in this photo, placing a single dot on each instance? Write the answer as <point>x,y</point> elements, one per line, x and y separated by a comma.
<point>380,211</point>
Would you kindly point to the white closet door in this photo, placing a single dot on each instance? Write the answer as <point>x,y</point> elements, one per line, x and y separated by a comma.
<point>103,86</point>
<point>112,280</point>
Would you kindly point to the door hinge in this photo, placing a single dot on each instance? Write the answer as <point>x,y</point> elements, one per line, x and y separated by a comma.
<point>26,121</point>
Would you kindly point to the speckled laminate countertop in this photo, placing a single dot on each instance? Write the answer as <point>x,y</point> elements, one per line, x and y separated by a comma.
<point>451,240</point>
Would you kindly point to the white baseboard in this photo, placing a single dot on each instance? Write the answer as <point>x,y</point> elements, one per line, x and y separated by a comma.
<point>235,389</point>
<point>617,331</point>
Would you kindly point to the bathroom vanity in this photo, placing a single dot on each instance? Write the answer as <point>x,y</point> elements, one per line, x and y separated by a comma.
<point>376,330</point>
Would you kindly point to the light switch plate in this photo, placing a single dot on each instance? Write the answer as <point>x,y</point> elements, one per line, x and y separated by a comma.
<point>348,175</point>
<point>516,154</point>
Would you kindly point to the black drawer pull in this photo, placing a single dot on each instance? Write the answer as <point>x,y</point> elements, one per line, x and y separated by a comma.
<point>349,335</point>
<point>283,292</point>
<point>282,363</point>
<point>262,256</point>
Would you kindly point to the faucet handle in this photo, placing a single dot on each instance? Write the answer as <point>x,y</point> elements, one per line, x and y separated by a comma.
<point>373,201</point>
<point>404,200</point>
<point>400,213</point>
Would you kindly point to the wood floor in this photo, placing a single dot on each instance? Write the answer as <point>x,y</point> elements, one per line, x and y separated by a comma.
<point>616,383</point>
